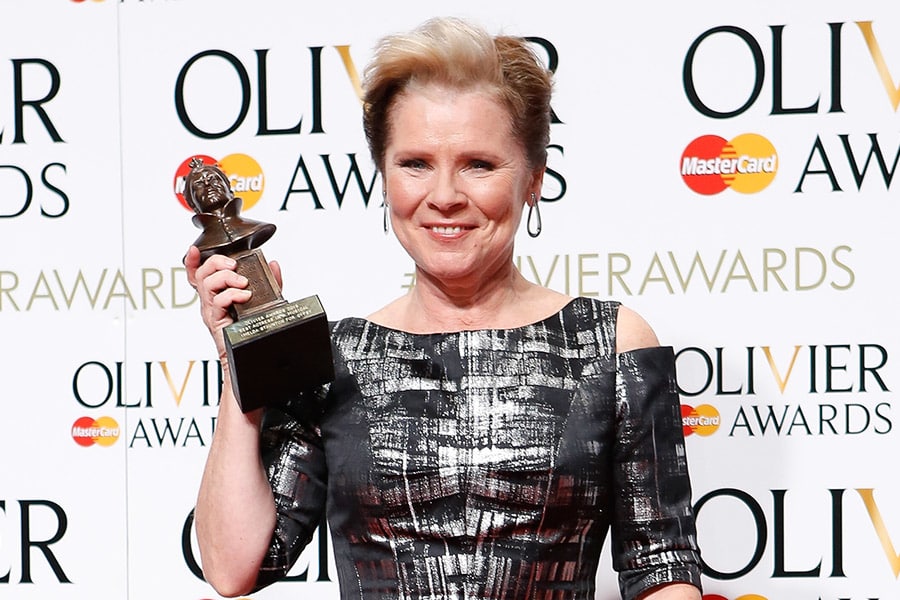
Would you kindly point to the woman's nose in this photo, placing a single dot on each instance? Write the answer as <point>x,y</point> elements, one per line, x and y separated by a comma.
<point>446,195</point>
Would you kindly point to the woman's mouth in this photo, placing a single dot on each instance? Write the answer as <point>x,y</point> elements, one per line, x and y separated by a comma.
<point>445,230</point>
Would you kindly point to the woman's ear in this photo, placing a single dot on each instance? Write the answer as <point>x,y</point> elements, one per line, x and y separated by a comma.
<point>537,182</point>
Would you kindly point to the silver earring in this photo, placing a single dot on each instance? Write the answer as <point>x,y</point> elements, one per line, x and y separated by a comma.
<point>534,211</point>
<point>384,217</point>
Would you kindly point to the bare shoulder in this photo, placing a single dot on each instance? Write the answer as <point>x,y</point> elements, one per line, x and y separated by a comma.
<point>633,332</point>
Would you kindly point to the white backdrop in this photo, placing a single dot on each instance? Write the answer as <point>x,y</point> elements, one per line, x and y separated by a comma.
<point>777,290</point>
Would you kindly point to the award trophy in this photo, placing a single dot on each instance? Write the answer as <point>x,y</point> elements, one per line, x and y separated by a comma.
<point>275,348</point>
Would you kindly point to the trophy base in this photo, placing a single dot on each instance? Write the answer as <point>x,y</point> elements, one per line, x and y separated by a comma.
<point>279,352</point>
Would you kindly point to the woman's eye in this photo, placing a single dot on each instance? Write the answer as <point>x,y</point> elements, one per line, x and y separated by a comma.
<point>413,163</point>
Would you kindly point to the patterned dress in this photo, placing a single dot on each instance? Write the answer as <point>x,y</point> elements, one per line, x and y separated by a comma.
<point>487,464</point>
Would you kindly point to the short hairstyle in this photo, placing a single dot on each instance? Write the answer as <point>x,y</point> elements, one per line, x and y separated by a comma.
<point>453,52</point>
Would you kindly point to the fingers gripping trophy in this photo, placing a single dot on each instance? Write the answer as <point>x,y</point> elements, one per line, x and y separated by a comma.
<point>275,348</point>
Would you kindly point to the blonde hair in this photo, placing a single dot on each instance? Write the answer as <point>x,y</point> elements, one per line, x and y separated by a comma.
<point>450,51</point>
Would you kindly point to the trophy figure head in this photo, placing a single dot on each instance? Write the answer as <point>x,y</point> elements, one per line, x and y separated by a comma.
<point>208,192</point>
<point>206,188</point>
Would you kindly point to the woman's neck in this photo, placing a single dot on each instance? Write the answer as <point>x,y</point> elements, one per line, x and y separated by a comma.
<point>499,303</point>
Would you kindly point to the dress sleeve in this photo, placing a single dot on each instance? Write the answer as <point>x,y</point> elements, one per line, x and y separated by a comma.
<point>654,539</point>
<point>294,459</point>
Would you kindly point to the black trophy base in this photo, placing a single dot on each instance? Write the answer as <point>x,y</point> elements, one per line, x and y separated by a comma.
<point>279,352</point>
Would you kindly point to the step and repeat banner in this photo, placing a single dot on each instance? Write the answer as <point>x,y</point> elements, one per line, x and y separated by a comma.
<point>726,169</point>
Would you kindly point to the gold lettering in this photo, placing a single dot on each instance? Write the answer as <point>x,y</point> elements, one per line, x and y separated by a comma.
<point>350,67</point>
<point>582,273</point>
<point>868,497</point>
<point>534,271</point>
<point>739,262</point>
<point>79,280</point>
<point>695,263</point>
<point>410,280</point>
<point>773,270</point>
<point>822,268</point>
<point>781,382</point>
<point>41,282</point>
<point>150,289</point>
<point>615,274</point>
<point>5,291</point>
<point>125,293</point>
<point>662,277</point>
<point>893,91</point>
<point>177,394</point>
<point>177,274</point>
<point>843,266</point>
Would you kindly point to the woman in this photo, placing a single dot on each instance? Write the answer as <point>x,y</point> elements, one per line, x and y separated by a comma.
<point>483,433</point>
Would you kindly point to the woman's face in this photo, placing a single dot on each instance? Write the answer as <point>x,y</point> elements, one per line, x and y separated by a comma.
<point>456,182</point>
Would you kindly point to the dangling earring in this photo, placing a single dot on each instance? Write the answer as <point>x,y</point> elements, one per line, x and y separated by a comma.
<point>384,204</point>
<point>535,211</point>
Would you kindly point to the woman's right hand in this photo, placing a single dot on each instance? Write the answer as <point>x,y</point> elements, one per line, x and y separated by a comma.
<point>218,287</point>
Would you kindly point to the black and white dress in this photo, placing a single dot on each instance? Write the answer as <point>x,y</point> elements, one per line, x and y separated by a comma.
<point>487,464</point>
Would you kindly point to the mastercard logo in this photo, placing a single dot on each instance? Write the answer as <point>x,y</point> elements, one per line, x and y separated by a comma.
<point>103,431</point>
<point>744,597</point>
<point>703,420</point>
<point>746,164</point>
<point>244,174</point>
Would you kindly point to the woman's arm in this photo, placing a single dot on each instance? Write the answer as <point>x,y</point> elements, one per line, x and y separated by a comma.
<point>235,512</point>
<point>653,531</point>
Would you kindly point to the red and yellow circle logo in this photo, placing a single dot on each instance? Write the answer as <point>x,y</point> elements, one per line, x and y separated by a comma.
<point>747,164</point>
<point>244,174</point>
<point>703,420</point>
<point>103,431</point>
<point>744,597</point>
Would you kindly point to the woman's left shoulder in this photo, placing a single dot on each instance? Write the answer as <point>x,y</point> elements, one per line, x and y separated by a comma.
<point>633,331</point>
